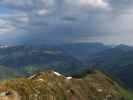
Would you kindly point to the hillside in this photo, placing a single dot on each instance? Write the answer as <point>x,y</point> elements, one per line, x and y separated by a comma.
<point>28,59</point>
<point>51,85</point>
<point>117,61</point>
<point>82,51</point>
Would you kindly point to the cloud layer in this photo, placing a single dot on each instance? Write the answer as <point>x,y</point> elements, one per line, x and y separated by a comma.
<point>59,21</point>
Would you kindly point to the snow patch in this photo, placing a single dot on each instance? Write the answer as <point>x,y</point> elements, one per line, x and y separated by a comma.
<point>68,78</point>
<point>32,77</point>
<point>56,73</point>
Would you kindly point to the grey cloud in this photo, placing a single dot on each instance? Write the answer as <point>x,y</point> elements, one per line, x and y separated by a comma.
<point>57,21</point>
<point>121,3</point>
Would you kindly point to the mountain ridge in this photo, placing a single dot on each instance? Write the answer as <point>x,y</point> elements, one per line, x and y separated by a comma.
<point>51,85</point>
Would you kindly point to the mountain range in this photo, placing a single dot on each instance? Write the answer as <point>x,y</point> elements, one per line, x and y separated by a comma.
<point>68,59</point>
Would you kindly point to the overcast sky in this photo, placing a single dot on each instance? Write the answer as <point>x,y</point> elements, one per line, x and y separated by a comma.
<point>65,21</point>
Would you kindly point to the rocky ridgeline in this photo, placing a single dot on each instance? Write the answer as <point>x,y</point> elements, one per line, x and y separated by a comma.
<point>51,85</point>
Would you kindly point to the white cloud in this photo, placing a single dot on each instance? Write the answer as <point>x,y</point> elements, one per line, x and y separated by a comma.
<point>6,27</point>
<point>29,2</point>
<point>18,2</point>
<point>18,16</point>
<point>43,12</point>
<point>48,2</point>
<point>89,3</point>
<point>24,19</point>
<point>94,3</point>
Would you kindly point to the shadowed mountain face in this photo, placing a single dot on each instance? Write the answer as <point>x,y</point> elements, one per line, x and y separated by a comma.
<point>117,61</point>
<point>51,85</point>
<point>27,59</point>
<point>23,60</point>
<point>82,51</point>
<point>18,56</point>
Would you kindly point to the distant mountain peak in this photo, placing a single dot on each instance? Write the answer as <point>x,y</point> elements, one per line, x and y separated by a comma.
<point>124,47</point>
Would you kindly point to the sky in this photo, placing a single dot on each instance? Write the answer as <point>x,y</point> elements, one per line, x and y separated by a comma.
<point>66,21</point>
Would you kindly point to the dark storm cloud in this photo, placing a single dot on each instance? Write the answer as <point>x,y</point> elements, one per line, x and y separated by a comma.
<point>57,21</point>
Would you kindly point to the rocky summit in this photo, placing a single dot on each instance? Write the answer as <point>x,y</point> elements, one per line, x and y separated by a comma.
<point>51,85</point>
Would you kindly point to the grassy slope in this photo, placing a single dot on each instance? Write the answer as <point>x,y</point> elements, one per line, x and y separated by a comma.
<point>86,88</point>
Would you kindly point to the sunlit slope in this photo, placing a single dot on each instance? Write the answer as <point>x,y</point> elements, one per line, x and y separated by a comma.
<point>51,85</point>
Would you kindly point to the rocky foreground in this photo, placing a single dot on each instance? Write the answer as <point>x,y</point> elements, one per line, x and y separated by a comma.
<point>51,85</point>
